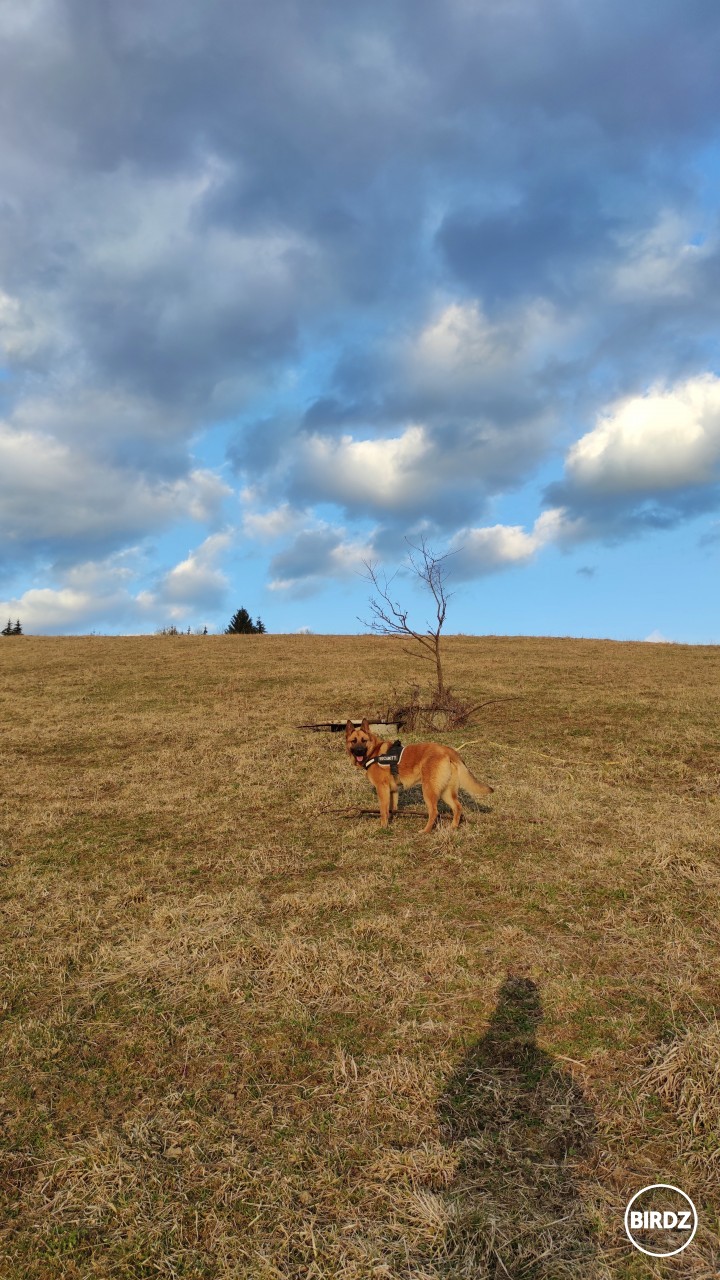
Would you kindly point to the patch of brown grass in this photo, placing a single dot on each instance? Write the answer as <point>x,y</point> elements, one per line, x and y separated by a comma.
<point>685,1075</point>
<point>245,1037</point>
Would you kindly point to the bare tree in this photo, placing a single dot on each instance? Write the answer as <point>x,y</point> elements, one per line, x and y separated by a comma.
<point>390,619</point>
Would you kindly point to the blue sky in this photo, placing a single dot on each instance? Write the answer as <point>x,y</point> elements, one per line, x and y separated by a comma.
<point>285,285</point>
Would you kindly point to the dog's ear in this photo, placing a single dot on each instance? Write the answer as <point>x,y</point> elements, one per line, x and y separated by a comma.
<point>349,728</point>
<point>365,726</point>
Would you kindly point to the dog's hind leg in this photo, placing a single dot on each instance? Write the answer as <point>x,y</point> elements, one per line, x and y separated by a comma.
<point>450,796</point>
<point>430,796</point>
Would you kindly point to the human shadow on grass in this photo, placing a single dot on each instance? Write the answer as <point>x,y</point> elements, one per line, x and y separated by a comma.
<point>521,1125</point>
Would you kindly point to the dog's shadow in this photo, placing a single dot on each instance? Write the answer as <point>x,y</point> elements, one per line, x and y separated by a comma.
<point>520,1125</point>
<point>411,797</point>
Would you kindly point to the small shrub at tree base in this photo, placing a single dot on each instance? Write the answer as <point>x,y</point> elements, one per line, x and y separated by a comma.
<point>434,712</point>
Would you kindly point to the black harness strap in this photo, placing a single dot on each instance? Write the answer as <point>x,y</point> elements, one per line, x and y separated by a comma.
<point>391,758</point>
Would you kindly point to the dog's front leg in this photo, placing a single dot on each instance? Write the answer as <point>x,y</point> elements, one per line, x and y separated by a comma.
<point>383,791</point>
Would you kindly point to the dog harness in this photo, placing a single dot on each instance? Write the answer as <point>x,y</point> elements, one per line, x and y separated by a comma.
<point>390,758</point>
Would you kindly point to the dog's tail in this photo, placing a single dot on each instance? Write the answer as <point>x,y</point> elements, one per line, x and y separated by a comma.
<point>469,782</point>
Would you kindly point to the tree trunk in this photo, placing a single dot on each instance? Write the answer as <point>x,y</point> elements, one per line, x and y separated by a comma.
<point>438,668</point>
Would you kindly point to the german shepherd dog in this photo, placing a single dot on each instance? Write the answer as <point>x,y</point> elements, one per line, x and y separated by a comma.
<point>439,769</point>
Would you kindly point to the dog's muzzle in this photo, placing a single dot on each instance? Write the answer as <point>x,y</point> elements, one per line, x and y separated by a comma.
<point>359,754</point>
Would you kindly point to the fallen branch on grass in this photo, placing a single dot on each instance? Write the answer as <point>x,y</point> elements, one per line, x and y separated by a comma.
<point>401,813</point>
<point>375,813</point>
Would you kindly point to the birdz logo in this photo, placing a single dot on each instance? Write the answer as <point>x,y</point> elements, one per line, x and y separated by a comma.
<point>660,1220</point>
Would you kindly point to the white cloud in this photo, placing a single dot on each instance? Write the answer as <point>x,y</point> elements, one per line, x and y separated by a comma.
<point>501,546</point>
<point>275,523</point>
<point>104,592</point>
<point>324,552</point>
<point>43,609</point>
<point>348,557</point>
<point>52,492</point>
<point>460,371</point>
<point>664,440</point>
<point>495,547</point>
<point>103,576</point>
<point>89,592</point>
<point>388,473</point>
<point>194,583</point>
<point>659,262</point>
<point>204,492</point>
<point>460,342</point>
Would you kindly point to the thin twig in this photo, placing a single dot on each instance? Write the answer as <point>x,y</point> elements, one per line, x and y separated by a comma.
<point>574,1061</point>
<point>505,697</point>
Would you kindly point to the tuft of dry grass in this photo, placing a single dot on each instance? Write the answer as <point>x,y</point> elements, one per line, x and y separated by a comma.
<point>246,1037</point>
<point>685,1075</point>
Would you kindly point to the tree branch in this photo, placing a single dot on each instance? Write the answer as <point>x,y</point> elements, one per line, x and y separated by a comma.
<point>390,619</point>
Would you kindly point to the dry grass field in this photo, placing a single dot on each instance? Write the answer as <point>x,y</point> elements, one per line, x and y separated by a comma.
<point>248,1034</point>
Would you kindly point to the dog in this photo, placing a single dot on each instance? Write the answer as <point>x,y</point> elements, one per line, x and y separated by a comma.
<point>439,770</point>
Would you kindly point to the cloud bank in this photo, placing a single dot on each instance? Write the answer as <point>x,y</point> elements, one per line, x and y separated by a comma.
<point>379,265</point>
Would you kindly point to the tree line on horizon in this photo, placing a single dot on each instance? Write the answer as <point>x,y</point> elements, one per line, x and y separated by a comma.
<point>241,624</point>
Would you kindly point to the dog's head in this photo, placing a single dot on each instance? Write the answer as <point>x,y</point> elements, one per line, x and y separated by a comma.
<point>359,741</point>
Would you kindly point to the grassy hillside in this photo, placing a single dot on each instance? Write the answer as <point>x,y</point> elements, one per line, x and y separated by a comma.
<point>247,1035</point>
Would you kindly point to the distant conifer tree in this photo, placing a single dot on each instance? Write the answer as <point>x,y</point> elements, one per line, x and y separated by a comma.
<point>8,630</point>
<point>260,627</point>
<point>17,629</point>
<point>241,624</point>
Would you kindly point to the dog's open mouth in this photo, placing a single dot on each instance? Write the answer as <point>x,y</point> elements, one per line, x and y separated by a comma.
<point>359,754</point>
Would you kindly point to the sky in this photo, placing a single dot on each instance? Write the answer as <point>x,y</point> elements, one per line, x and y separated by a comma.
<point>287,287</point>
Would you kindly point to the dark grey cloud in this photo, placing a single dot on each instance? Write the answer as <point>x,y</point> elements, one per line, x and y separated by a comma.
<point>314,556</point>
<point>549,242</point>
<point>613,518</point>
